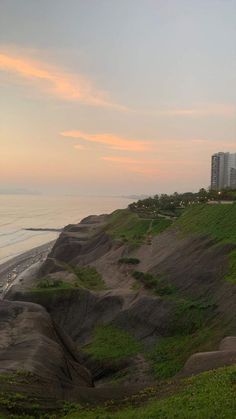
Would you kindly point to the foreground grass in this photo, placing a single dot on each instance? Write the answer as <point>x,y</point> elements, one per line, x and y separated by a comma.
<point>210,395</point>
<point>112,343</point>
<point>129,227</point>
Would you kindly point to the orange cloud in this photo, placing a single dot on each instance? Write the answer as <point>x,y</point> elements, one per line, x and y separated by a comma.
<point>112,141</point>
<point>56,82</point>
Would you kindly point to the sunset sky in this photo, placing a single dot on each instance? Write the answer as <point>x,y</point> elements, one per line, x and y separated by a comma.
<point>113,97</point>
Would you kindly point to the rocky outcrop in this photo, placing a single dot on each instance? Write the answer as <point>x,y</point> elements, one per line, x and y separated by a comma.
<point>78,244</point>
<point>205,361</point>
<point>78,311</point>
<point>31,347</point>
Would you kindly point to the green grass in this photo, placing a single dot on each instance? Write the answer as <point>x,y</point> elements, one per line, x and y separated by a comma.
<point>112,343</point>
<point>231,275</point>
<point>170,353</point>
<point>159,225</point>
<point>154,282</point>
<point>88,277</point>
<point>210,395</point>
<point>217,221</point>
<point>129,227</point>
<point>48,283</point>
<point>189,315</point>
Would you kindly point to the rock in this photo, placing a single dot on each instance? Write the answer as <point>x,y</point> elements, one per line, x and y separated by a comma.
<point>205,361</point>
<point>228,344</point>
<point>29,343</point>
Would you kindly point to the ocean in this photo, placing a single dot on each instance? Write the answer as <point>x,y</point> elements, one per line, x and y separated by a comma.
<point>18,212</point>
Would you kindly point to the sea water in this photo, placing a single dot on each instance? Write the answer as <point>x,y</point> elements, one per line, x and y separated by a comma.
<point>19,212</point>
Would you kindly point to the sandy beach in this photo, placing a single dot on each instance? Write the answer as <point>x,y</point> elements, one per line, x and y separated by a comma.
<point>10,270</point>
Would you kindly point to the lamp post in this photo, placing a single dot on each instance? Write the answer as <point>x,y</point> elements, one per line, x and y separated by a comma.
<point>219,195</point>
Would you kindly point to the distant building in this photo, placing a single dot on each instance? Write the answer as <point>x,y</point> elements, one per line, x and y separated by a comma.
<point>223,171</point>
<point>233,178</point>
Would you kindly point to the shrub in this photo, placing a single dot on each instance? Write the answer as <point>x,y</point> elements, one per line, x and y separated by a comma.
<point>157,284</point>
<point>46,283</point>
<point>129,261</point>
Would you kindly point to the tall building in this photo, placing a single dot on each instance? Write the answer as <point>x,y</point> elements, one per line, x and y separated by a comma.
<point>223,171</point>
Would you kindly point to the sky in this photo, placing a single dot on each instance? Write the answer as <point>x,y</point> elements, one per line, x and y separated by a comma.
<point>115,97</point>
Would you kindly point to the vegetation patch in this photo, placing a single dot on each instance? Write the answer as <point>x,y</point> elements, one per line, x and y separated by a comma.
<point>88,277</point>
<point>129,261</point>
<point>154,282</point>
<point>217,221</point>
<point>172,206</point>
<point>190,315</point>
<point>129,227</point>
<point>170,353</point>
<point>210,395</point>
<point>231,275</point>
<point>10,400</point>
<point>112,343</point>
<point>48,283</point>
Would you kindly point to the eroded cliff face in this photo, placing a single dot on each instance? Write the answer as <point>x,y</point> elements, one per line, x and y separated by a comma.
<point>36,360</point>
<point>194,266</point>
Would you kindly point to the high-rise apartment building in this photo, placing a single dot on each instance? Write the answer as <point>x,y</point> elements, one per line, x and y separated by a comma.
<point>223,171</point>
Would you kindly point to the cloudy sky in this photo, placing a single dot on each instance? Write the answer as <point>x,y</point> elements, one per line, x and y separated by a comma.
<point>115,96</point>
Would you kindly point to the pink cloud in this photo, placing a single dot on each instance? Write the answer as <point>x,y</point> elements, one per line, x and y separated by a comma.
<point>112,141</point>
<point>55,81</point>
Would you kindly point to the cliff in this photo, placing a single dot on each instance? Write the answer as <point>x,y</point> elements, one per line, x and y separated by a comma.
<point>141,301</point>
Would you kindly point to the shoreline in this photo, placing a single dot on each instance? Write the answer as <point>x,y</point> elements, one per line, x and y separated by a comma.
<point>10,270</point>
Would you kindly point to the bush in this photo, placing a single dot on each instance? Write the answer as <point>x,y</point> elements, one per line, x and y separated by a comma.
<point>52,283</point>
<point>157,284</point>
<point>129,261</point>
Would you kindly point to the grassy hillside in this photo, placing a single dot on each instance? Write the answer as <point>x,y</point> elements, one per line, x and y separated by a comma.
<point>128,226</point>
<point>218,221</point>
